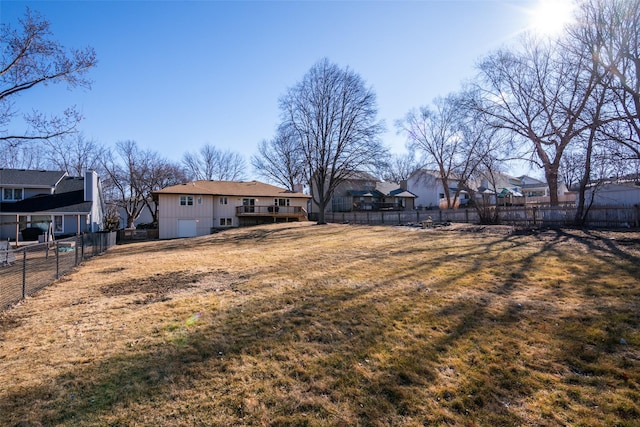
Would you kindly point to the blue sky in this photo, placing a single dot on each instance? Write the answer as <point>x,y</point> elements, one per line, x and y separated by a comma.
<point>175,75</point>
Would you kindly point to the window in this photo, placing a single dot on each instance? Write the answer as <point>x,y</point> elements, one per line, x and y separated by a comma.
<point>249,205</point>
<point>12,194</point>
<point>186,200</point>
<point>223,200</point>
<point>57,224</point>
<point>226,221</point>
<point>281,202</point>
<point>442,195</point>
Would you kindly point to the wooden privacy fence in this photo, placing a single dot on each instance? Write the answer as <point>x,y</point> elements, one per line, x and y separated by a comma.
<point>32,267</point>
<point>519,216</point>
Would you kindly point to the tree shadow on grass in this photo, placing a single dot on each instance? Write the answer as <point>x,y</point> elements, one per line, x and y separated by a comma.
<point>328,354</point>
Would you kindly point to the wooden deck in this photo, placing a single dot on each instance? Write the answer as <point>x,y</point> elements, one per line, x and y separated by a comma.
<point>288,212</point>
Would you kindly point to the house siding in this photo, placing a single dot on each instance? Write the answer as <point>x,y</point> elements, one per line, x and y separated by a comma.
<point>225,211</point>
<point>615,194</point>
<point>427,187</point>
<point>170,212</point>
<point>209,213</point>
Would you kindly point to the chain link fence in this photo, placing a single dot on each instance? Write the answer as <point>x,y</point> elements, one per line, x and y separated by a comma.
<point>25,270</point>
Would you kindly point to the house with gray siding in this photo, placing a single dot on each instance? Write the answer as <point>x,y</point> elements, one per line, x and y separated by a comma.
<point>53,201</point>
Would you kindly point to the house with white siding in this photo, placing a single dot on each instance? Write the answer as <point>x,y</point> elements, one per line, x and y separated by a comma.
<point>614,194</point>
<point>202,207</point>
<point>428,187</point>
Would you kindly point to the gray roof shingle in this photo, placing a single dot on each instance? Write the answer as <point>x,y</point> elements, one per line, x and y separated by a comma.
<point>30,178</point>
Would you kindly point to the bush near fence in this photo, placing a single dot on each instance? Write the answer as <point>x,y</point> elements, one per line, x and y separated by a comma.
<point>25,270</point>
<point>519,216</point>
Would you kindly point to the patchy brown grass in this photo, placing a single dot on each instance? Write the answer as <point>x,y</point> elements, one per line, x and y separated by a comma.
<point>335,325</point>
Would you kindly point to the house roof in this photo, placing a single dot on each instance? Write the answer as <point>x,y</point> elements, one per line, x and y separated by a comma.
<point>387,187</point>
<point>68,197</point>
<point>30,178</point>
<point>403,193</point>
<point>435,174</point>
<point>231,188</point>
<point>360,176</point>
<point>365,193</point>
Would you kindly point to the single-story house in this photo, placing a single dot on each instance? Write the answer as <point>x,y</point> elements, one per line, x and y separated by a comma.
<point>50,201</point>
<point>201,207</point>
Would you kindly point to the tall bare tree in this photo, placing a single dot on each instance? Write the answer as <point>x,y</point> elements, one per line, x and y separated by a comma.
<point>157,173</point>
<point>611,29</point>
<point>280,160</point>
<point>398,167</point>
<point>123,185</point>
<point>31,58</point>
<point>210,163</point>
<point>74,154</point>
<point>541,94</point>
<point>333,117</point>
<point>22,156</point>
<point>132,174</point>
<point>452,139</point>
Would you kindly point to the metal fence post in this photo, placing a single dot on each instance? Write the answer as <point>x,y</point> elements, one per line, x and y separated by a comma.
<point>24,273</point>
<point>57,261</point>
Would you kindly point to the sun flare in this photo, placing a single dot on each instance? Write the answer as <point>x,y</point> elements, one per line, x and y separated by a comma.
<point>550,17</point>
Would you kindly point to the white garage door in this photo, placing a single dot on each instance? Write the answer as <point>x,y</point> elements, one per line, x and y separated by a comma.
<point>186,228</point>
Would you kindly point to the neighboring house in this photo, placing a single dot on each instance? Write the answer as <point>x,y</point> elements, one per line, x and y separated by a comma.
<point>385,196</point>
<point>199,208</point>
<point>49,200</point>
<point>364,192</point>
<point>521,190</point>
<point>343,196</point>
<point>614,194</point>
<point>427,186</point>
<point>532,187</point>
<point>146,217</point>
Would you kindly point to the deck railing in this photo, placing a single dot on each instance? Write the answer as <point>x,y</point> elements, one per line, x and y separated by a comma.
<point>277,211</point>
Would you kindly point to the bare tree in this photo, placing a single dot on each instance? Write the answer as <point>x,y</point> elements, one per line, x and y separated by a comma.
<point>133,174</point>
<point>398,167</point>
<point>123,181</point>
<point>280,160</point>
<point>74,154</point>
<point>31,58</point>
<point>210,163</point>
<point>539,93</point>
<point>155,174</point>
<point>572,167</point>
<point>611,29</point>
<point>484,198</point>
<point>22,156</point>
<point>333,117</point>
<point>452,139</point>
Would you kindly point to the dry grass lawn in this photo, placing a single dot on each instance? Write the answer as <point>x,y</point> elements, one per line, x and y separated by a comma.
<point>337,325</point>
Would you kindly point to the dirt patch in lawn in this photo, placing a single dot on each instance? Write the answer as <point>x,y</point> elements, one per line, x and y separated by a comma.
<point>155,288</point>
